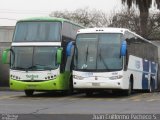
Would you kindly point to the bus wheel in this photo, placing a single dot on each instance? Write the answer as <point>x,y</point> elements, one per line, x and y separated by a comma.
<point>67,92</point>
<point>29,92</point>
<point>70,88</point>
<point>151,89</point>
<point>89,93</point>
<point>129,91</point>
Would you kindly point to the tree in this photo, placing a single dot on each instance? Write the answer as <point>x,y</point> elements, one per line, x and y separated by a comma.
<point>123,19</point>
<point>154,26</point>
<point>143,6</point>
<point>130,19</point>
<point>126,19</point>
<point>84,16</point>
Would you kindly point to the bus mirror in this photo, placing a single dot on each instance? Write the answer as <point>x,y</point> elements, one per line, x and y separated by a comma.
<point>59,55</point>
<point>123,48</point>
<point>69,48</point>
<point>5,59</point>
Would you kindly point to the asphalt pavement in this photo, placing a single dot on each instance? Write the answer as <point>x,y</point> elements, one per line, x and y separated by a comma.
<point>14,102</point>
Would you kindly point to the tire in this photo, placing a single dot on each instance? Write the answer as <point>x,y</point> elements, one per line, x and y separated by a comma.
<point>70,89</point>
<point>67,92</point>
<point>158,79</point>
<point>129,91</point>
<point>151,89</point>
<point>89,93</point>
<point>116,92</point>
<point>29,93</point>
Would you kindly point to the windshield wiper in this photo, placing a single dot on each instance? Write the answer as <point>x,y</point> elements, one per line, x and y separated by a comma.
<point>31,67</point>
<point>13,53</point>
<point>18,68</point>
<point>44,67</point>
<point>101,58</point>
<point>39,67</point>
<point>85,65</point>
<point>86,55</point>
<point>76,55</point>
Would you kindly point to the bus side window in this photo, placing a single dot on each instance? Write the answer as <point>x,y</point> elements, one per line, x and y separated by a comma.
<point>130,46</point>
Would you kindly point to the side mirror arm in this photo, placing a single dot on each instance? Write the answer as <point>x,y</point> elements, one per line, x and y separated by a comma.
<point>123,48</point>
<point>69,48</point>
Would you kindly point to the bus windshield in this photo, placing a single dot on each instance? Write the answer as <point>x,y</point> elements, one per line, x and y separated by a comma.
<point>37,32</point>
<point>100,52</point>
<point>33,58</point>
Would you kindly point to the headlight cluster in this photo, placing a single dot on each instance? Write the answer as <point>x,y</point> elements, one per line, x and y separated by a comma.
<point>50,77</point>
<point>115,77</point>
<point>15,77</point>
<point>78,77</point>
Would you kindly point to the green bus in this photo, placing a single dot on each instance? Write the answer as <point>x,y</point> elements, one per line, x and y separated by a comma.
<point>37,57</point>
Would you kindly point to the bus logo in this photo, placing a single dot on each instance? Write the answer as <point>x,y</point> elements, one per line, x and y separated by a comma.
<point>138,64</point>
<point>32,77</point>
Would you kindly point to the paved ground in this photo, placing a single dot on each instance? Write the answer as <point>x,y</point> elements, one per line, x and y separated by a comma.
<point>53,103</point>
<point>13,102</point>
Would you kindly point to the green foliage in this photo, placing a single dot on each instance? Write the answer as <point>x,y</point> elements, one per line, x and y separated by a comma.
<point>131,20</point>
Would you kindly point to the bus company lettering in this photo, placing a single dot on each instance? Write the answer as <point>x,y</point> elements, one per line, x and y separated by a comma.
<point>32,76</point>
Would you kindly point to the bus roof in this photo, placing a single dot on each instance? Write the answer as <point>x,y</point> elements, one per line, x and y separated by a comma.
<point>51,19</point>
<point>102,30</point>
<point>110,30</point>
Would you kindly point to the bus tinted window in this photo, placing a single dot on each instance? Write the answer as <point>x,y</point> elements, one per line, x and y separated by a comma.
<point>139,47</point>
<point>37,32</point>
<point>98,52</point>
<point>70,30</point>
<point>34,58</point>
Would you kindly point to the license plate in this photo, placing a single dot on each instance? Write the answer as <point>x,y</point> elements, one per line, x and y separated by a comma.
<point>31,86</point>
<point>95,84</point>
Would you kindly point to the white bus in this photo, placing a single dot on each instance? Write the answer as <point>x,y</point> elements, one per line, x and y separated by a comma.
<point>114,59</point>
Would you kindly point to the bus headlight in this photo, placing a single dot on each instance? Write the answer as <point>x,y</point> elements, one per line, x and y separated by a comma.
<point>115,77</point>
<point>78,77</point>
<point>50,77</point>
<point>15,77</point>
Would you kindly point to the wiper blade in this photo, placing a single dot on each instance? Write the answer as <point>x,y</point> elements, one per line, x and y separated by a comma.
<point>31,67</point>
<point>76,50</point>
<point>86,55</point>
<point>84,66</point>
<point>40,67</point>
<point>101,58</point>
<point>19,68</point>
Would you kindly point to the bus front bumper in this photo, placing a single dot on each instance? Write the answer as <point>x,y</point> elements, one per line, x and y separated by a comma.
<point>111,84</point>
<point>42,85</point>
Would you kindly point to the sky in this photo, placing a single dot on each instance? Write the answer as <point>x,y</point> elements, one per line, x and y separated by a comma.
<point>13,10</point>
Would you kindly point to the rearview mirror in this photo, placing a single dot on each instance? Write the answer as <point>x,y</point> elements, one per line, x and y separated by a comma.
<point>123,48</point>
<point>5,59</point>
<point>59,55</point>
<point>69,48</point>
